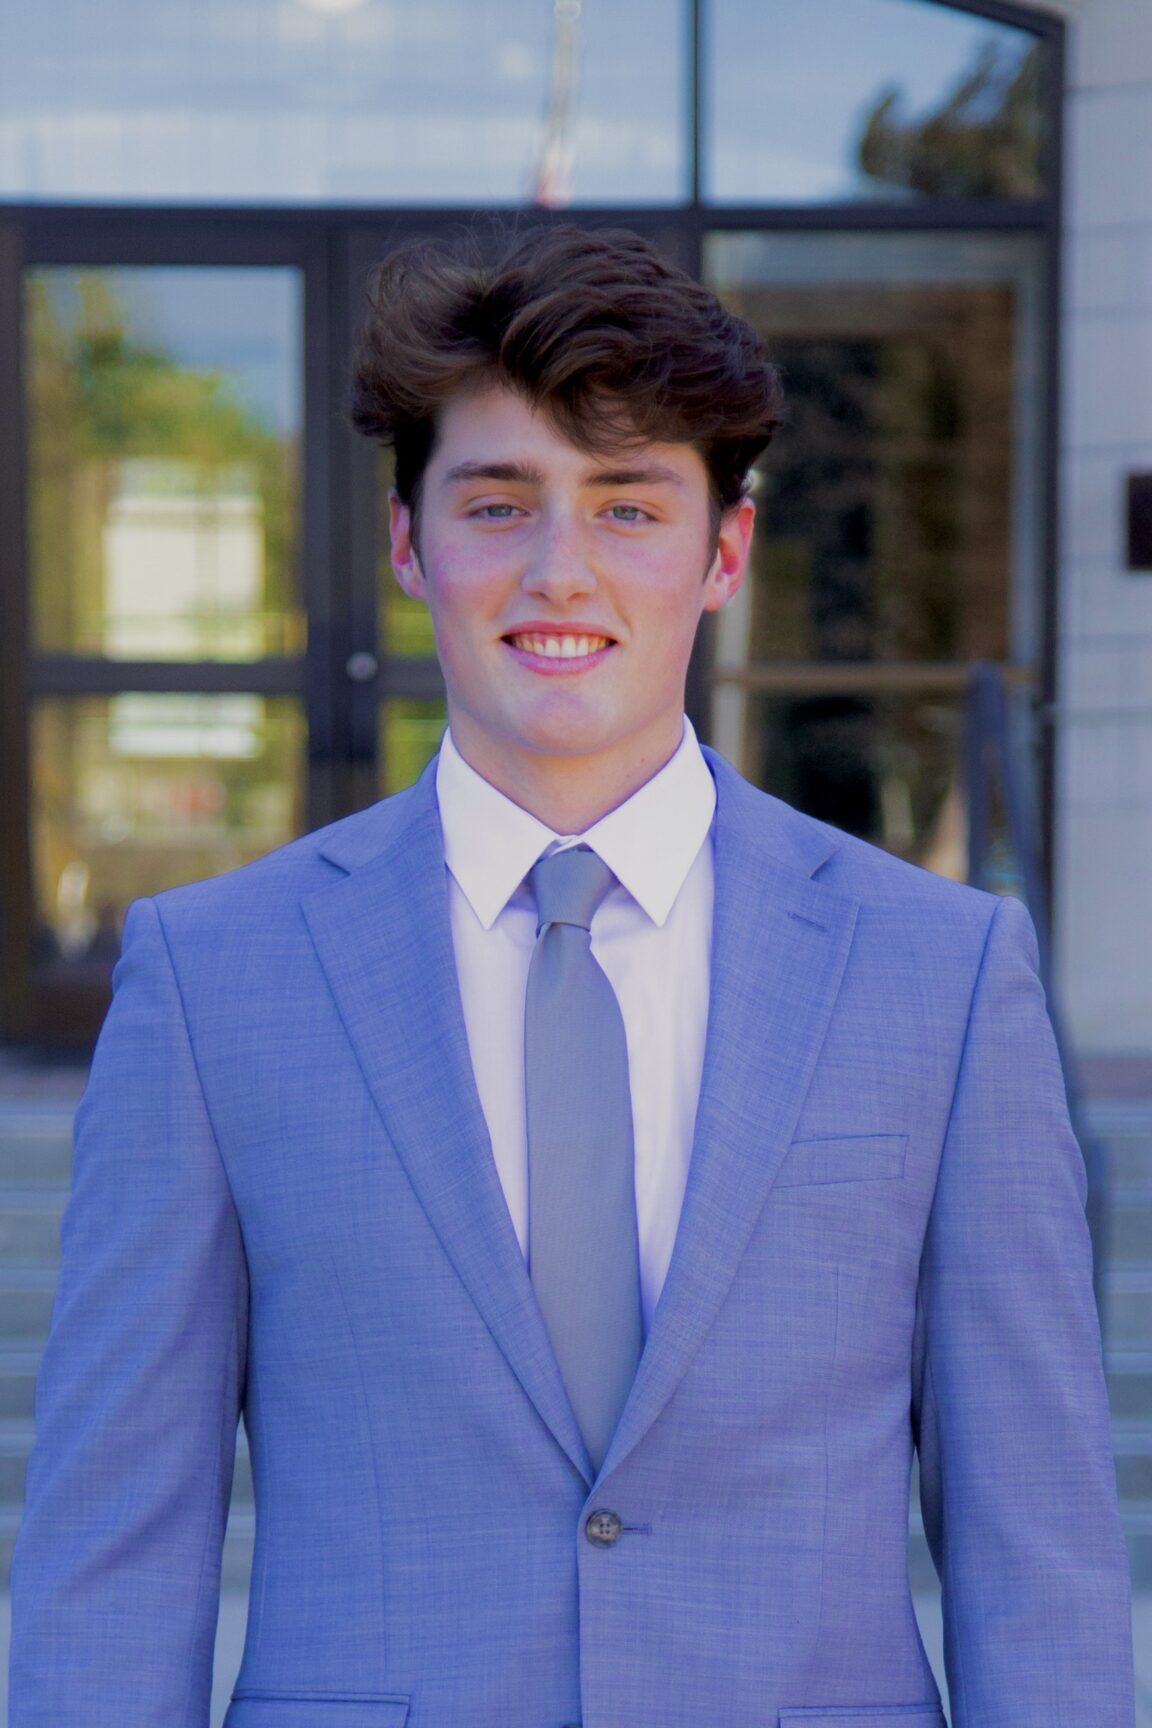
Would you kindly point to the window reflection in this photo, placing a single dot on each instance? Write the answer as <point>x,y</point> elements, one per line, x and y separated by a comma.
<point>345,101</point>
<point>897,521</point>
<point>898,508</point>
<point>137,792</point>
<point>410,732</point>
<point>888,768</point>
<point>164,433</point>
<point>867,99</point>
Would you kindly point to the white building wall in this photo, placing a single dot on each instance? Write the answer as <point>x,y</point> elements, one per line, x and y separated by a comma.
<point>1104,821</point>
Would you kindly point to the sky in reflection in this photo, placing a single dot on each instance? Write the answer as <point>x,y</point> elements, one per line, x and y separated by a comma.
<point>448,100</point>
<point>242,323</point>
<point>790,86</point>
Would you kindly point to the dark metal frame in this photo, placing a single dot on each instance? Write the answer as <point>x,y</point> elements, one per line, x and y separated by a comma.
<point>333,246</point>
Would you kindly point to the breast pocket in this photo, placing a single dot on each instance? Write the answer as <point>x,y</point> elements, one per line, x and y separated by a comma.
<point>260,1709</point>
<point>863,1716</point>
<point>844,1158</point>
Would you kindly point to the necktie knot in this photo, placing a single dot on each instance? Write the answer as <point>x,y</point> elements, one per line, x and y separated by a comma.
<point>569,886</point>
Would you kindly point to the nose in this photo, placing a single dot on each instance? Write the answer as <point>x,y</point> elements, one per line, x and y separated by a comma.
<point>558,569</point>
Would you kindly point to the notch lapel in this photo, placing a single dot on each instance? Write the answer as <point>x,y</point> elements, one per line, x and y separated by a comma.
<point>779,946</point>
<point>383,936</point>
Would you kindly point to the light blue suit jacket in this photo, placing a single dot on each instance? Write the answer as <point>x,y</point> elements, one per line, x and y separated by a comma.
<point>284,1202</point>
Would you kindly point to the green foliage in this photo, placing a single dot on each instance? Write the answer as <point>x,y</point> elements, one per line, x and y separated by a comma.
<point>99,398</point>
<point>983,142</point>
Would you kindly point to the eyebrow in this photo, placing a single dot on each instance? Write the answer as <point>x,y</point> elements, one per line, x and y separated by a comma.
<point>635,477</point>
<point>522,473</point>
<point>525,474</point>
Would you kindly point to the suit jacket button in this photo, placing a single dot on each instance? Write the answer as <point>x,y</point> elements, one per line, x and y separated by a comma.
<point>602,1528</point>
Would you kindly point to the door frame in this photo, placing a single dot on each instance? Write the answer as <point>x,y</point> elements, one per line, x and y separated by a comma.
<point>334,247</point>
<point>37,1006</point>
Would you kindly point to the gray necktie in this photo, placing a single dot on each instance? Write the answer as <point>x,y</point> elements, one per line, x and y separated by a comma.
<point>582,1248</point>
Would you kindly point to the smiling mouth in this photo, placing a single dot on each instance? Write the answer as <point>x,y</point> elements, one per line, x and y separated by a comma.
<point>559,647</point>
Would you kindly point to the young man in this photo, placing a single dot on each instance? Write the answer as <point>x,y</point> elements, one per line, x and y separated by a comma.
<point>591,1178</point>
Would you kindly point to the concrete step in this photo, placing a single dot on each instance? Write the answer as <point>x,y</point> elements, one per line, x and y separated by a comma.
<point>35,1147</point>
<point>30,1223</point>
<point>1136,1517</point>
<point>1132,1450</point>
<point>1129,1374</point>
<point>1125,1132</point>
<point>18,1365</point>
<point>1128,1222</point>
<point>1129,1161</point>
<point>1128,1306</point>
<point>26,1294</point>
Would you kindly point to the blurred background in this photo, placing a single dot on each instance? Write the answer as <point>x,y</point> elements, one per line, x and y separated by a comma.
<point>939,213</point>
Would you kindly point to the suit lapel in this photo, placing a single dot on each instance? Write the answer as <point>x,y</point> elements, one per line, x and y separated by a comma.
<point>779,946</point>
<point>383,937</point>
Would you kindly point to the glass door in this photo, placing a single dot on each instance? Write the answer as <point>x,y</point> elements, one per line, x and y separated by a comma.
<point>899,523</point>
<point>171,694</point>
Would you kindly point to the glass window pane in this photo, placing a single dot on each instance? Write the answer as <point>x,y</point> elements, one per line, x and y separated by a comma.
<point>137,792</point>
<point>344,101</point>
<point>888,768</point>
<point>409,736</point>
<point>866,99</point>
<point>898,508</point>
<point>165,410</point>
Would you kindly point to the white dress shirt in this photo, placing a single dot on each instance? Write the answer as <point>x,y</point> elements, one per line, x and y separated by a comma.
<point>652,934</point>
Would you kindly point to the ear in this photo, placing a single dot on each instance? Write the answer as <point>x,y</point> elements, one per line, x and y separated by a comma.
<point>405,560</point>
<point>733,544</point>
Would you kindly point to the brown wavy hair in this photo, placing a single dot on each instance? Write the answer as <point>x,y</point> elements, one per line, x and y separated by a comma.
<point>595,328</point>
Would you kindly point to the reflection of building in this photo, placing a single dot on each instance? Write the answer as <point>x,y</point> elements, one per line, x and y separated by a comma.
<point>183,567</point>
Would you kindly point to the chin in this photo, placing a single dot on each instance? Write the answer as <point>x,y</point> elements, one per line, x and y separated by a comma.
<point>567,741</point>
<point>567,729</point>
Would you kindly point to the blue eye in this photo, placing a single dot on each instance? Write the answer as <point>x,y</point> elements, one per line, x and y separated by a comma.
<point>628,513</point>
<point>497,512</point>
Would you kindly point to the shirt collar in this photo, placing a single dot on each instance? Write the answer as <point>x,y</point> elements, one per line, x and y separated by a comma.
<point>649,842</point>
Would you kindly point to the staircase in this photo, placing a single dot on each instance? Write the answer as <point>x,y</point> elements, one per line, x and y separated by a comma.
<point>1125,1130</point>
<point>35,1160</point>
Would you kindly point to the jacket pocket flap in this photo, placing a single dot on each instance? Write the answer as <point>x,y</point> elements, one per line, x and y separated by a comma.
<point>316,1710</point>
<point>863,1716</point>
<point>846,1158</point>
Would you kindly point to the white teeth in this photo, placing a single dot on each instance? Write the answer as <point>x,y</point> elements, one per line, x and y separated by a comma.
<point>560,647</point>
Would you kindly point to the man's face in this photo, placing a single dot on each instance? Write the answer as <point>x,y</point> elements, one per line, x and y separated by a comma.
<point>565,587</point>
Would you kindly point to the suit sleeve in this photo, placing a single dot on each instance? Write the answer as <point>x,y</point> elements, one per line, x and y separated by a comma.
<point>1017,1482</point>
<point>116,1571</point>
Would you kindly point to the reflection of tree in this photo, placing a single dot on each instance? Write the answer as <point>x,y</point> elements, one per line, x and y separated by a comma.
<point>99,401</point>
<point>983,142</point>
<point>98,398</point>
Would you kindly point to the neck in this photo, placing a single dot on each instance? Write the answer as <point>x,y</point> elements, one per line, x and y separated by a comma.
<point>568,793</point>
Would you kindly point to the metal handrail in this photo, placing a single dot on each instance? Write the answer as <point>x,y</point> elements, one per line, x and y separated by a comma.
<point>993,756</point>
